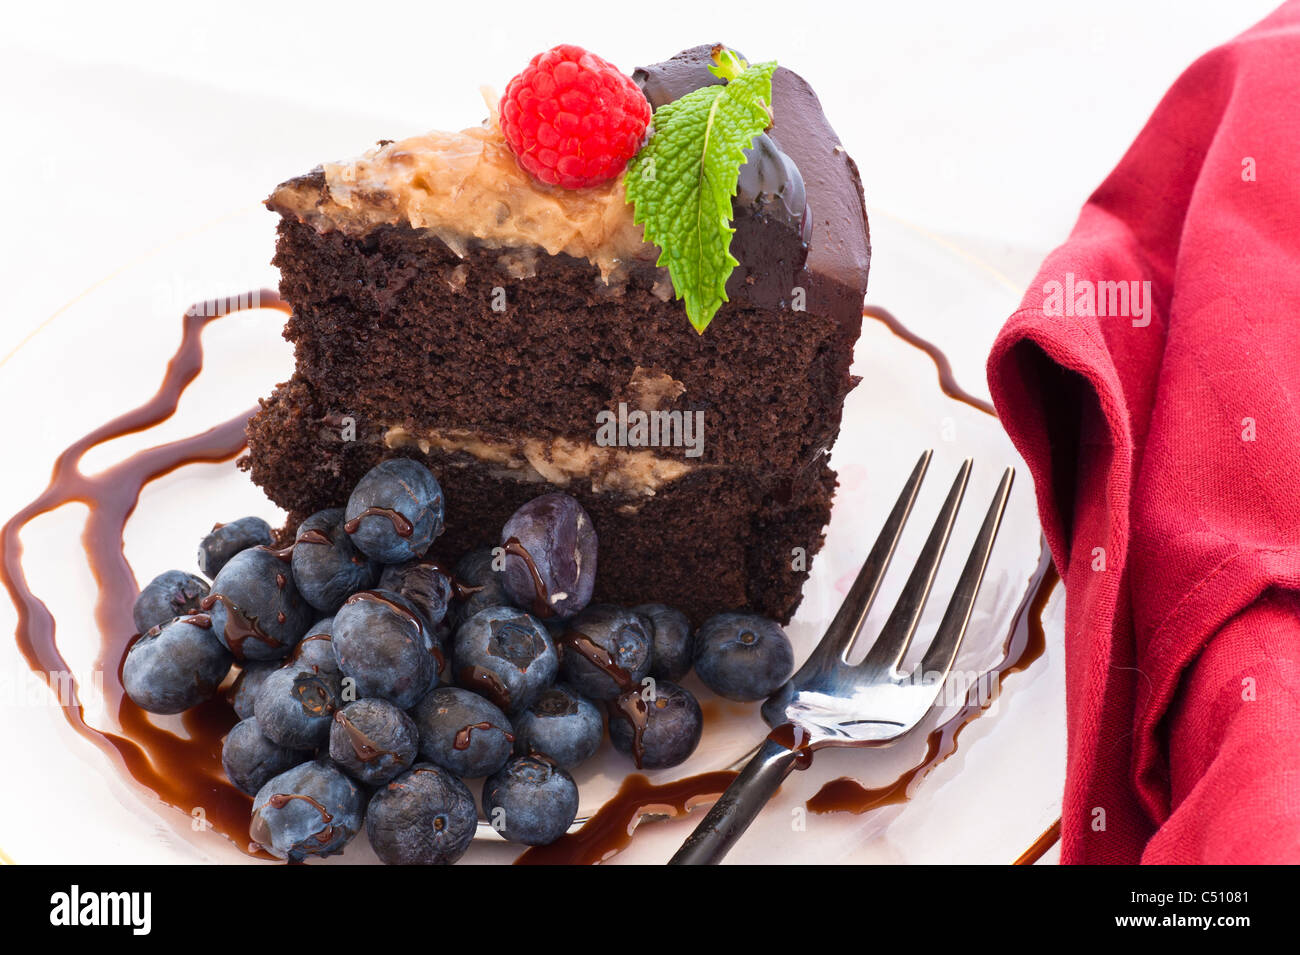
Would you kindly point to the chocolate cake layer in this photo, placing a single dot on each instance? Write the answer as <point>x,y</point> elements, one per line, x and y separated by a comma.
<point>714,540</point>
<point>396,327</point>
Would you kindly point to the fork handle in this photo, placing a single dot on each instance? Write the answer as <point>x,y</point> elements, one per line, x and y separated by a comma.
<point>738,806</point>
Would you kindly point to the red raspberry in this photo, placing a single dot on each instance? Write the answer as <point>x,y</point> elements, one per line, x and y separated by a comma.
<point>573,119</point>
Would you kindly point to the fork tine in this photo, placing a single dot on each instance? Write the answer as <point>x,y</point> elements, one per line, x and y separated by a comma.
<point>939,657</point>
<point>890,647</point>
<point>848,620</point>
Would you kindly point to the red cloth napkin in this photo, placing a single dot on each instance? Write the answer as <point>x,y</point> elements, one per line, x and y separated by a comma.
<point>1163,435</point>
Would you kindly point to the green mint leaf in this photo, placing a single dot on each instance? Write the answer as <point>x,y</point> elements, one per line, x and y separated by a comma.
<point>682,181</point>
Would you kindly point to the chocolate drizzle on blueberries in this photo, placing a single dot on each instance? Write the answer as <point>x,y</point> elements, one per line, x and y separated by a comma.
<point>401,526</point>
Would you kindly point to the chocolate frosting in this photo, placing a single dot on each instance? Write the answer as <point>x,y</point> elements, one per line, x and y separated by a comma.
<point>833,272</point>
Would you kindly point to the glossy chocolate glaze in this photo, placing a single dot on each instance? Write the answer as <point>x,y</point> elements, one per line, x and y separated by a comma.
<point>296,653</point>
<point>628,705</point>
<point>401,526</point>
<point>834,272</point>
<point>365,748</point>
<point>324,836</point>
<point>465,735</point>
<point>459,589</point>
<point>239,628</point>
<point>541,606</point>
<point>371,596</point>
<point>282,553</point>
<point>772,217</point>
<point>485,683</point>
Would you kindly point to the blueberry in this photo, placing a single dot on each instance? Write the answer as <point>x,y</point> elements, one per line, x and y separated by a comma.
<point>255,606</point>
<point>462,732</point>
<point>384,647</point>
<point>316,649</point>
<point>442,638</point>
<point>243,693</point>
<point>227,540</point>
<point>424,817</point>
<point>562,725</point>
<point>171,594</point>
<point>311,809</point>
<point>395,511</point>
<point>475,570</point>
<point>251,760</point>
<point>530,800</point>
<point>669,726</point>
<point>506,655</point>
<point>373,741</point>
<point>422,583</point>
<point>175,666</point>
<point>326,566</point>
<point>550,559</point>
<point>673,646</point>
<point>295,706</point>
<point>606,650</point>
<point>742,656</point>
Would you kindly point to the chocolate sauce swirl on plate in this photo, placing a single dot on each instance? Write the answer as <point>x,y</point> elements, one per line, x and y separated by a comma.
<point>183,773</point>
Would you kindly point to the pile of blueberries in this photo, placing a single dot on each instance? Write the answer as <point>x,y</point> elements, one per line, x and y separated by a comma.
<point>372,681</point>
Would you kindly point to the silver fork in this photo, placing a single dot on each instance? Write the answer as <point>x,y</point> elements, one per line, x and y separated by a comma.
<point>829,702</point>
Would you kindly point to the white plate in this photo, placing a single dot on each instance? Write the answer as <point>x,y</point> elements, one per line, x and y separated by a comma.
<point>104,353</point>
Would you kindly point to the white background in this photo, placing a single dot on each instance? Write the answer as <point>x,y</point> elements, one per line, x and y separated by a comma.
<point>984,125</point>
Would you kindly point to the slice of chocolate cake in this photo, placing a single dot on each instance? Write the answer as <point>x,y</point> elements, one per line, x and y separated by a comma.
<point>520,338</point>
